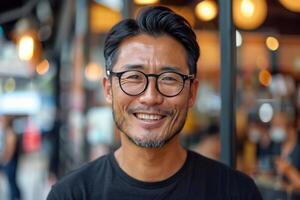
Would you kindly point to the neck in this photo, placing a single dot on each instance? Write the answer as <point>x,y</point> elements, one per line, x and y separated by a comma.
<point>150,164</point>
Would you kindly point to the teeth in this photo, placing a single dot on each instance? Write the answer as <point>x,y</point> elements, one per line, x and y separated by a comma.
<point>144,116</point>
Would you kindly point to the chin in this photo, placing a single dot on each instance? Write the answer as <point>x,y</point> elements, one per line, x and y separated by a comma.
<point>150,144</point>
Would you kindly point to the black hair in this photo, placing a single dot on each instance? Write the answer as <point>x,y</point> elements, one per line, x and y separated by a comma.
<point>154,21</point>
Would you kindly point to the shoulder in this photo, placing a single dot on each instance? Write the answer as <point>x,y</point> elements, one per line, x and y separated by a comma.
<point>223,179</point>
<point>78,182</point>
<point>85,171</point>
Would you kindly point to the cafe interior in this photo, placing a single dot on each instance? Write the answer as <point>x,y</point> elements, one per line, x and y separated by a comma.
<point>51,55</point>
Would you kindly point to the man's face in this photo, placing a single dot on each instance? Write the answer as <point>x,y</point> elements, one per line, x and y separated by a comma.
<point>150,119</point>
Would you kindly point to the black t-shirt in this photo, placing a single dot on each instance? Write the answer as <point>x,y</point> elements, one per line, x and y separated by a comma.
<point>200,178</point>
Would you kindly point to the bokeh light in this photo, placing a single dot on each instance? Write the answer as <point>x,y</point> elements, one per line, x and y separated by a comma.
<point>265,77</point>
<point>239,39</point>
<point>10,85</point>
<point>292,5</point>
<point>43,67</point>
<point>247,8</point>
<point>272,43</point>
<point>206,10</point>
<point>266,112</point>
<point>93,72</point>
<point>145,2</point>
<point>249,14</point>
<point>26,47</point>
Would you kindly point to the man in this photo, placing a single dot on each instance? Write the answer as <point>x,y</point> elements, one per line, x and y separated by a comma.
<point>151,83</point>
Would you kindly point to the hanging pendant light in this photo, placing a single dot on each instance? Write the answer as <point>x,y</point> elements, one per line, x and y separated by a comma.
<point>145,2</point>
<point>249,14</point>
<point>206,10</point>
<point>292,5</point>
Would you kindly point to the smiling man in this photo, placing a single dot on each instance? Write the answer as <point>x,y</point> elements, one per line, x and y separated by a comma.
<point>151,83</point>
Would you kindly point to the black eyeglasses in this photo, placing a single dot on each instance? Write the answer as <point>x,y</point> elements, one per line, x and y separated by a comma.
<point>134,82</point>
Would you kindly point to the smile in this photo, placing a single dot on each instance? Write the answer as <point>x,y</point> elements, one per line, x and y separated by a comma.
<point>148,117</point>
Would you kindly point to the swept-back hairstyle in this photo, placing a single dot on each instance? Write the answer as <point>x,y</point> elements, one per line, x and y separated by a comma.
<point>154,21</point>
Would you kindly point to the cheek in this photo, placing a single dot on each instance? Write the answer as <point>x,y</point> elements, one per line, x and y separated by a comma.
<point>181,107</point>
<point>183,101</point>
<point>121,101</point>
<point>178,106</point>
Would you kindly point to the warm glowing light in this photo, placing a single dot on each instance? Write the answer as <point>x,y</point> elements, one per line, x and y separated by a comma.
<point>108,17</point>
<point>265,78</point>
<point>145,2</point>
<point>272,43</point>
<point>292,5</point>
<point>10,85</point>
<point>247,8</point>
<point>43,67</point>
<point>239,39</point>
<point>26,47</point>
<point>249,14</point>
<point>93,72</point>
<point>206,10</point>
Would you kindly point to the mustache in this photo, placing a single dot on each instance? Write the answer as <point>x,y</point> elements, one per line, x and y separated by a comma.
<point>154,109</point>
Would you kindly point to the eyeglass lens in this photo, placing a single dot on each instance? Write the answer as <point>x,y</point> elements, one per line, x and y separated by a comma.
<point>135,82</point>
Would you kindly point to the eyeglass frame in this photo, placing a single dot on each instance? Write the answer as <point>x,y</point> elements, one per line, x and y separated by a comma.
<point>184,77</point>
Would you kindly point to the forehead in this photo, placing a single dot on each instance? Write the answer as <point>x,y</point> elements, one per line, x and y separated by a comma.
<point>151,52</point>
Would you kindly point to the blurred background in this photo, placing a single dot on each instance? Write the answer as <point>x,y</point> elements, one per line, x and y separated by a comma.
<point>53,116</point>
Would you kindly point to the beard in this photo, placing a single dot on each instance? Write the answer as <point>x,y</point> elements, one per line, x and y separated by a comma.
<point>158,142</point>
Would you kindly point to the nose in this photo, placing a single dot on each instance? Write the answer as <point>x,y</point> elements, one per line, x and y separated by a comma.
<point>151,96</point>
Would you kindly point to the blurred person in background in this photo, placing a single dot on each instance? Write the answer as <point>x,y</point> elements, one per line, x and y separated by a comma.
<point>151,65</point>
<point>288,162</point>
<point>259,148</point>
<point>248,159</point>
<point>266,150</point>
<point>10,156</point>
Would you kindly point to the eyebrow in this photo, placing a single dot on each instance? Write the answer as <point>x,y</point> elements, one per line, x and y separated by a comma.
<point>170,68</point>
<point>141,67</point>
<point>133,66</point>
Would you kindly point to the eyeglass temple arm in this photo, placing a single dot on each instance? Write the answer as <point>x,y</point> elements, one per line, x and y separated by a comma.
<point>191,76</point>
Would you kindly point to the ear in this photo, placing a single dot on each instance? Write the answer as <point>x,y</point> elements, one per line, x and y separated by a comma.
<point>107,89</point>
<point>193,92</point>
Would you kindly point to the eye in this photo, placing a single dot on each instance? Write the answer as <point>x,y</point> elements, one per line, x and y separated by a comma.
<point>133,76</point>
<point>170,78</point>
